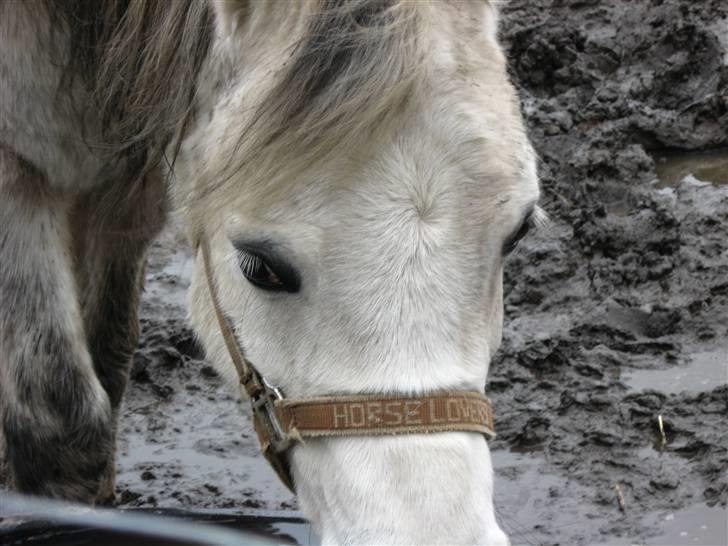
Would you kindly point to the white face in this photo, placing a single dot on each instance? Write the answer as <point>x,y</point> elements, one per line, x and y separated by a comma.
<point>380,271</point>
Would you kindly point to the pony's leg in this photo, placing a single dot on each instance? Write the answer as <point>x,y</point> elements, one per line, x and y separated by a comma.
<point>55,415</point>
<point>111,233</point>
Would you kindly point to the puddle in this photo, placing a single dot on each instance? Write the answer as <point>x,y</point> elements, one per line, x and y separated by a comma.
<point>707,167</point>
<point>700,525</point>
<point>533,504</point>
<point>537,503</point>
<point>706,371</point>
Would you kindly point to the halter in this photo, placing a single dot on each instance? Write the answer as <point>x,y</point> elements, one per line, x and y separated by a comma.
<point>281,422</point>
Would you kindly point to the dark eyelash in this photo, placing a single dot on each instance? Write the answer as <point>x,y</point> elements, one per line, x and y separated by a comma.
<point>512,242</point>
<point>249,263</point>
<point>265,269</point>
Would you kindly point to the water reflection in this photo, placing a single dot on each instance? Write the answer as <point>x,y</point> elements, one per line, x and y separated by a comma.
<point>711,167</point>
<point>706,371</point>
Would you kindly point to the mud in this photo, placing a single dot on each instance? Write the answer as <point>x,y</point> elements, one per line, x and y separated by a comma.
<point>615,315</point>
<point>618,313</point>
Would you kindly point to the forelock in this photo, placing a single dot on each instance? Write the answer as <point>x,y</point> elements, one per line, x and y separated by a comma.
<point>357,61</point>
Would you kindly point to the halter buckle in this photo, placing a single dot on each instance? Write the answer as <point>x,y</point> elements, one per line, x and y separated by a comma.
<point>264,411</point>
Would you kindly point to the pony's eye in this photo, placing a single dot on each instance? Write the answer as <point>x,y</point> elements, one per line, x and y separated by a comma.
<point>259,273</point>
<point>513,240</point>
<point>267,271</point>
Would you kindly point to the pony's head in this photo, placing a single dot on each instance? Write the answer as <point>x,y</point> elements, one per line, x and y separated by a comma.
<point>361,171</point>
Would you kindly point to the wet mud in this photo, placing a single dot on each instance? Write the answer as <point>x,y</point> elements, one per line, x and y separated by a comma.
<point>616,314</point>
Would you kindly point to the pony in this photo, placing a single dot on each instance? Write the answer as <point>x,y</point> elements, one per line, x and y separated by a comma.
<point>360,171</point>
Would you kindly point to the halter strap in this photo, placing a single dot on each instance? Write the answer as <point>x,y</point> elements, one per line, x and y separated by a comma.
<point>373,415</point>
<point>250,379</point>
<point>280,422</point>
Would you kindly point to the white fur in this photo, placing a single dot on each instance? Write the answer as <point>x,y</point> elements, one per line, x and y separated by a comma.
<point>398,242</point>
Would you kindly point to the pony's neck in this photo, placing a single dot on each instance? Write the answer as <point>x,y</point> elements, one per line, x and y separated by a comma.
<point>398,488</point>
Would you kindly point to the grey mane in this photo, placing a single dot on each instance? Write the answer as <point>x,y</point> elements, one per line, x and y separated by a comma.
<point>141,60</point>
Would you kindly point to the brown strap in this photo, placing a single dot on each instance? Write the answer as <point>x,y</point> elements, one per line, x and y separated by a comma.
<point>370,415</point>
<point>246,371</point>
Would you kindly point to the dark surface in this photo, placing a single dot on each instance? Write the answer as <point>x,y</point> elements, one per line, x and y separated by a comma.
<point>619,312</point>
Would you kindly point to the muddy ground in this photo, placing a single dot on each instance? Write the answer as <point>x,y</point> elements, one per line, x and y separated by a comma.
<point>615,315</point>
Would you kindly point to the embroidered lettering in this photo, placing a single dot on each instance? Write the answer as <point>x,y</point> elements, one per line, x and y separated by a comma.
<point>412,412</point>
<point>453,410</point>
<point>464,409</point>
<point>433,413</point>
<point>393,413</point>
<point>374,410</point>
<point>357,415</point>
<point>409,412</point>
<point>341,416</point>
